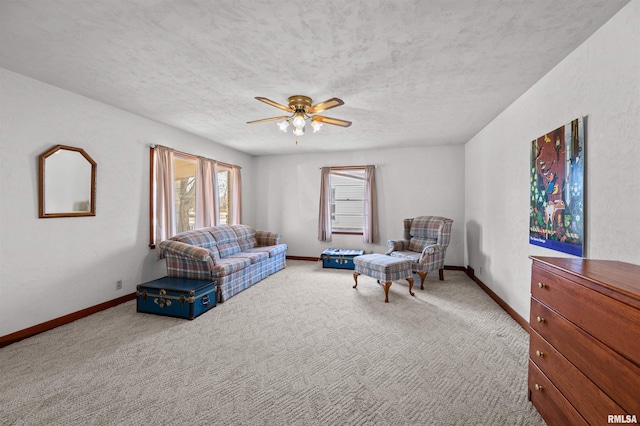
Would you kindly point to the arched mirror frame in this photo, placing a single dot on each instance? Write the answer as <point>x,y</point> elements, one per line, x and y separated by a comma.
<point>42,188</point>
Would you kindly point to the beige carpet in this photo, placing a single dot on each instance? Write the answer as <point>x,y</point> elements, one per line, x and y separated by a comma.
<point>300,348</point>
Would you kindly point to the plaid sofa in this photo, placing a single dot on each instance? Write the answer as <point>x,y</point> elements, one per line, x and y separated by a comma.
<point>425,243</point>
<point>235,256</point>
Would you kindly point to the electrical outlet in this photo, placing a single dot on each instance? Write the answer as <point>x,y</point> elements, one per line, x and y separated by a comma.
<point>119,285</point>
<point>480,270</point>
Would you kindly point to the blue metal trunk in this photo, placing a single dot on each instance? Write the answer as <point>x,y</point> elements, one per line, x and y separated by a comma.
<point>339,258</point>
<point>177,297</point>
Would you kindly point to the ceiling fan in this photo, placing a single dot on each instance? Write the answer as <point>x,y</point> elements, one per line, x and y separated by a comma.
<point>302,112</point>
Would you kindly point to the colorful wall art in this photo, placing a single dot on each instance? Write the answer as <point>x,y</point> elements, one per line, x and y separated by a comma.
<point>556,213</point>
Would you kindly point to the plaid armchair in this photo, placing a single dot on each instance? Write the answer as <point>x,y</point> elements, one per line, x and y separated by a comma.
<point>425,243</point>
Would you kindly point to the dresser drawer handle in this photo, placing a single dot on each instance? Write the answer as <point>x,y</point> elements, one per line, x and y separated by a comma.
<point>539,319</point>
<point>538,387</point>
<point>541,285</point>
<point>540,354</point>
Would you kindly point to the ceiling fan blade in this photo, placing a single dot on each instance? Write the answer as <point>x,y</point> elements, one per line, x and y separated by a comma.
<point>275,104</point>
<point>323,106</point>
<point>334,121</point>
<point>282,117</point>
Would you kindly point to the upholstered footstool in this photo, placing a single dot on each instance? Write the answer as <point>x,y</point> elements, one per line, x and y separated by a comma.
<point>385,269</point>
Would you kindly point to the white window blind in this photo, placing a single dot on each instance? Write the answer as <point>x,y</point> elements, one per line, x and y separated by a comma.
<point>347,200</point>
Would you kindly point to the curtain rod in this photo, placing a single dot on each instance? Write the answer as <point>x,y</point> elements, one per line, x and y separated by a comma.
<point>152,146</point>
<point>348,167</point>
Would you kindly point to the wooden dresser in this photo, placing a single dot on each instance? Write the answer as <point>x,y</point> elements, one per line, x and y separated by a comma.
<point>584,353</point>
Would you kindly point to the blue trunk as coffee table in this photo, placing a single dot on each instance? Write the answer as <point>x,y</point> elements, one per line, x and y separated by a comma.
<point>339,258</point>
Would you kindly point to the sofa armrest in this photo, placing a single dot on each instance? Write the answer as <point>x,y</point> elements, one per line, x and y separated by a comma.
<point>264,238</point>
<point>187,251</point>
<point>187,261</point>
<point>397,245</point>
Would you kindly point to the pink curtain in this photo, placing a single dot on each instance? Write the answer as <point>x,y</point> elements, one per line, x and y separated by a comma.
<point>236,196</point>
<point>206,193</point>
<point>324,215</point>
<point>370,234</point>
<point>216,194</point>
<point>164,194</point>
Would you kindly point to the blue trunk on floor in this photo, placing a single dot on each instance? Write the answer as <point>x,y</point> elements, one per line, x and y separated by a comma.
<point>177,297</point>
<point>339,258</point>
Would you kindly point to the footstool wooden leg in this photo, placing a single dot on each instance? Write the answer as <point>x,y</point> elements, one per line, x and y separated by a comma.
<point>386,291</point>
<point>410,279</point>
<point>355,278</point>
<point>441,274</point>
<point>423,275</point>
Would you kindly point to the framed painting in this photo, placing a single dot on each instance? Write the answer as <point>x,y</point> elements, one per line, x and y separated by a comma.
<point>557,189</point>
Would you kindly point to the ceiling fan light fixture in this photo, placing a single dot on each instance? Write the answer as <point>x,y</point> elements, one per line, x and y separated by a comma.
<point>303,112</point>
<point>298,121</point>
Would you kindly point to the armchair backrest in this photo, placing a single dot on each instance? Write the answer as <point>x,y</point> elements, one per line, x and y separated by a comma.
<point>425,230</point>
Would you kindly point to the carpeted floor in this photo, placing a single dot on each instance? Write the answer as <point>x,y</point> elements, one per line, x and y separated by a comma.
<point>299,348</point>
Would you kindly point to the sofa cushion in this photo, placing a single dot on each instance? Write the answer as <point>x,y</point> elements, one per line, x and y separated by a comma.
<point>226,240</point>
<point>227,249</point>
<point>254,257</point>
<point>272,250</point>
<point>196,238</point>
<point>228,266</point>
<point>246,236</point>
<point>223,234</point>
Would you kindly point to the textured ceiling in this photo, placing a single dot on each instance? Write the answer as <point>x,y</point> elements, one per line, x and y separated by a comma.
<point>411,72</point>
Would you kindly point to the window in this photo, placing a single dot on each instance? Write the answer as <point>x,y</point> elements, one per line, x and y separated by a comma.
<point>185,192</point>
<point>224,194</point>
<point>184,195</point>
<point>347,201</point>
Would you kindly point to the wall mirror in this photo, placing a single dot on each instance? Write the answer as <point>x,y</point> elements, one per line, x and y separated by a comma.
<point>67,183</point>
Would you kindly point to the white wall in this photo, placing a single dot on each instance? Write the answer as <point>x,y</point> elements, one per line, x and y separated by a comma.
<point>411,182</point>
<point>54,267</point>
<point>599,80</point>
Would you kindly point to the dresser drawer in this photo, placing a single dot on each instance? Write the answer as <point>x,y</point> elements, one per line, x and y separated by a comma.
<point>582,393</point>
<point>614,323</point>
<point>615,375</point>
<point>553,407</point>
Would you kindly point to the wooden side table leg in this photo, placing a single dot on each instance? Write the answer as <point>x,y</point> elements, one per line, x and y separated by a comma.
<point>355,278</point>
<point>386,291</point>
<point>410,279</point>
